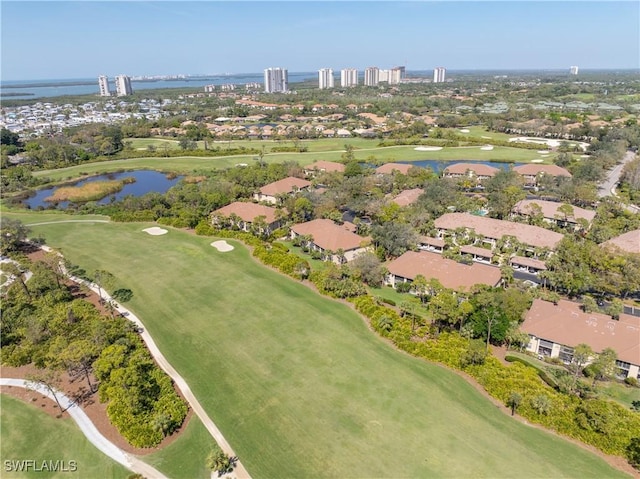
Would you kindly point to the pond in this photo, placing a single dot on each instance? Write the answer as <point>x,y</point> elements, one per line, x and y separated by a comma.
<point>145,182</point>
<point>438,165</point>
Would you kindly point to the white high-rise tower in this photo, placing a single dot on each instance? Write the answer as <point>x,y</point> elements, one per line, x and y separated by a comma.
<point>371,76</point>
<point>276,80</point>
<point>439,74</point>
<point>325,78</point>
<point>123,85</point>
<point>573,70</point>
<point>348,77</point>
<point>103,83</point>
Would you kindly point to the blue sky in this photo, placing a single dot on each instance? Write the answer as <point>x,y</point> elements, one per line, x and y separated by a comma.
<point>44,40</point>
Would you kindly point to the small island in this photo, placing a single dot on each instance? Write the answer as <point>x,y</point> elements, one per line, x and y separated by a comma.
<point>92,191</point>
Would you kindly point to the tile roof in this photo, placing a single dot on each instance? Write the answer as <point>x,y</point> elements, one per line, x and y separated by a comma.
<point>408,197</point>
<point>628,242</point>
<point>248,211</point>
<point>478,251</point>
<point>322,165</point>
<point>286,185</point>
<point>450,273</point>
<point>478,168</point>
<point>432,241</point>
<point>566,323</point>
<point>492,228</point>
<point>524,261</point>
<point>534,169</point>
<point>550,210</point>
<point>389,168</point>
<point>329,235</point>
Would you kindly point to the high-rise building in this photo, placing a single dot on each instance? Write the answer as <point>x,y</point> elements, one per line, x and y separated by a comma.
<point>439,74</point>
<point>325,78</point>
<point>348,77</point>
<point>103,83</point>
<point>276,80</point>
<point>573,70</point>
<point>403,72</point>
<point>371,76</point>
<point>123,85</point>
<point>396,74</point>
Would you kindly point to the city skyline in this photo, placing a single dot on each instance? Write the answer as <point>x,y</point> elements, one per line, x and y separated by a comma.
<point>419,35</point>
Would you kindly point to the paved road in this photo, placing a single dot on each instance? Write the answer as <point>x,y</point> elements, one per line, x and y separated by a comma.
<point>88,429</point>
<point>239,470</point>
<point>608,186</point>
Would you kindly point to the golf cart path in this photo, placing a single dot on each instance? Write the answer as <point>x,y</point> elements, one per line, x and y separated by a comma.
<point>88,428</point>
<point>239,471</point>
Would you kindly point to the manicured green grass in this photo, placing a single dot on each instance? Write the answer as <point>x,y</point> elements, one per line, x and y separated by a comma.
<point>28,433</point>
<point>144,143</point>
<point>297,382</point>
<point>190,164</point>
<point>620,392</point>
<point>185,458</point>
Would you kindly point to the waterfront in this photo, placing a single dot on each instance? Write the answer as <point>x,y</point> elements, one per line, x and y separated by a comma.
<point>34,89</point>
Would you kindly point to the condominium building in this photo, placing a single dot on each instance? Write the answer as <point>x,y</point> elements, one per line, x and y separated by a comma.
<point>573,70</point>
<point>395,75</point>
<point>103,83</point>
<point>348,77</point>
<point>123,85</point>
<point>439,74</point>
<point>276,80</point>
<point>325,78</point>
<point>371,76</point>
<point>403,72</point>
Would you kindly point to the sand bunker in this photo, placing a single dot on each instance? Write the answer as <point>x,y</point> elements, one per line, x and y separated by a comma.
<point>487,148</point>
<point>155,231</point>
<point>543,152</point>
<point>486,137</point>
<point>539,160</point>
<point>222,245</point>
<point>428,148</point>
<point>464,131</point>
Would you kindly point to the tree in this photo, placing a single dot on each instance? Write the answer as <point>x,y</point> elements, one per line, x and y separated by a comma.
<point>589,305</point>
<point>444,307</point>
<point>220,462</point>
<point>541,403</point>
<point>103,279</point>
<point>615,308</point>
<point>79,356</point>
<point>18,274</point>
<point>514,401</point>
<point>582,353</point>
<point>368,267</point>
<point>51,380</point>
<point>394,238</point>
<point>12,235</point>
<point>123,295</point>
<point>603,366</point>
<point>633,452</point>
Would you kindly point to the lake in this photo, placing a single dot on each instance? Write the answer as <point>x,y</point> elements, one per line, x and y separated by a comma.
<point>438,165</point>
<point>146,182</point>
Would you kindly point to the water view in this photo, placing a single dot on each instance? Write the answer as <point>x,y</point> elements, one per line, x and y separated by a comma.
<point>438,165</point>
<point>145,182</point>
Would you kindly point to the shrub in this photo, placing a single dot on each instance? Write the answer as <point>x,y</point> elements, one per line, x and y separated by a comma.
<point>631,381</point>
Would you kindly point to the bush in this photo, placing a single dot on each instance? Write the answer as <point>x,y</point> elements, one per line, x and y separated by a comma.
<point>631,381</point>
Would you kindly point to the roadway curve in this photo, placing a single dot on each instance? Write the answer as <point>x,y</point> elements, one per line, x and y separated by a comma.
<point>239,470</point>
<point>88,428</point>
<point>608,186</point>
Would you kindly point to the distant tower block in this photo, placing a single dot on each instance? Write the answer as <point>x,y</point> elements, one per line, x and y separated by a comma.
<point>573,70</point>
<point>439,74</point>
<point>325,78</point>
<point>103,83</point>
<point>123,85</point>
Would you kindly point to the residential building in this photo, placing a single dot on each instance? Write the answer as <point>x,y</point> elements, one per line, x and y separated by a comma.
<point>322,166</point>
<point>402,70</point>
<point>337,243</point>
<point>390,168</point>
<point>396,75</point>
<point>439,74</point>
<point>243,215</point>
<point>450,273</point>
<point>325,78</point>
<point>491,230</point>
<point>103,83</point>
<point>371,76</point>
<point>407,197</point>
<point>555,329</point>
<point>473,173</point>
<point>427,243</point>
<point>348,77</point>
<point>531,173</point>
<point>560,214</point>
<point>123,85</point>
<point>573,70</point>
<point>272,192</point>
<point>628,242</point>
<point>276,80</point>
<point>528,265</point>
